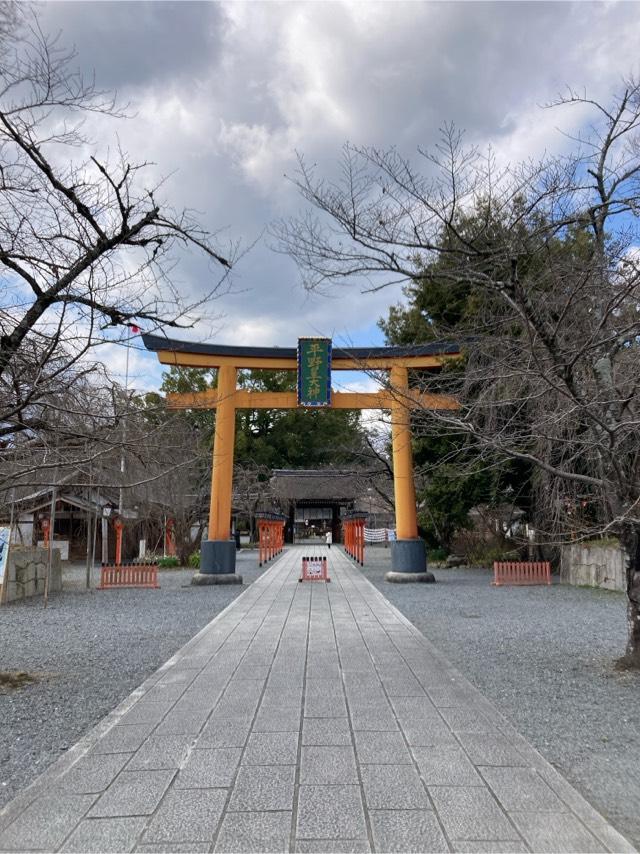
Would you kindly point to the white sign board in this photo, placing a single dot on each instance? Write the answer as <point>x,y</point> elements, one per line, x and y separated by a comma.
<point>5,535</point>
<point>315,568</point>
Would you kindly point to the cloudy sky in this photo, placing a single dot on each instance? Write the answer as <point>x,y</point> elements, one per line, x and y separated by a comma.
<point>226,93</point>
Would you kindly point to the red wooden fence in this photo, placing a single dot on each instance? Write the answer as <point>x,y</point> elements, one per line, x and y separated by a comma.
<point>270,537</point>
<point>136,575</point>
<point>353,536</point>
<point>521,572</point>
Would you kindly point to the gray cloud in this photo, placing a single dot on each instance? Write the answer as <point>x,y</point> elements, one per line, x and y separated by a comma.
<point>139,43</point>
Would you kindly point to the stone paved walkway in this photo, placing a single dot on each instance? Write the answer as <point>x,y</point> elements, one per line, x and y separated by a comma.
<point>305,717</point>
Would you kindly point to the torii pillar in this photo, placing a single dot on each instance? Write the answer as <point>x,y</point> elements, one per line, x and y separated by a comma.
<point>408,552</point>
<point>218,552</point>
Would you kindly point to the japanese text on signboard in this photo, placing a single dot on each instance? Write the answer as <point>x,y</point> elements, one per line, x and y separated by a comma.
<point>314,372</point>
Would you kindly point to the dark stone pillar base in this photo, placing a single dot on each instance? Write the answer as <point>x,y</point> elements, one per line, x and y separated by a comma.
<point>217,563</point>
<point>409,563</point>
<point>204,579</point>
<point>410,577</point>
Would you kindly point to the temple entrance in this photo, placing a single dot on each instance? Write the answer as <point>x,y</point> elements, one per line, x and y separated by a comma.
<point>314,502</point>
<point>314,360</point>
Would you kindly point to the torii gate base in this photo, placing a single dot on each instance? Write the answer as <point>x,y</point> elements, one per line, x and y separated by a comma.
<point>217,563</point>
<point>409,562</point>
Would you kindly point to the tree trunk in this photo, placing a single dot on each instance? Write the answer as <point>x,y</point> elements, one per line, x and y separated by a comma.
<point>630,540</point>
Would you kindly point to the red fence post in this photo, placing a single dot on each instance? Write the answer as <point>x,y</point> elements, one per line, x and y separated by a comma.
<point>118,525</point>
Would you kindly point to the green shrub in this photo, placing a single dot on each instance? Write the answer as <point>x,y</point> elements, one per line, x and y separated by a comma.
<point>168,562</point>
<point>484,554</point>
<point>438,555</point>
<point>194,560</point>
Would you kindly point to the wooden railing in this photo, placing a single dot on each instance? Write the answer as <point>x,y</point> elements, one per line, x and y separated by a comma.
<point>353,536</point>
<point>134,575</point>
<point>521,572</point>
<point>270,536</point>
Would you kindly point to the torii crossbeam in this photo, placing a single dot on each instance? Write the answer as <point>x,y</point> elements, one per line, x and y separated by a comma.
<point>217,562</point>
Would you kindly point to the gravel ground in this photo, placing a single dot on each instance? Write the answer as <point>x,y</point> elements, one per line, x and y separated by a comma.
<point>91,650</point>
<point>545,657</point>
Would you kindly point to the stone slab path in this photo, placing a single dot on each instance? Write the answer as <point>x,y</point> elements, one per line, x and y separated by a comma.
<point>306,717</point>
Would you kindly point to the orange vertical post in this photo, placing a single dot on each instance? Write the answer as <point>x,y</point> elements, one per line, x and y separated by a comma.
<point>404,487</point>
<point>46,528</point>
<point>222,471</point>
<point>118,525</point>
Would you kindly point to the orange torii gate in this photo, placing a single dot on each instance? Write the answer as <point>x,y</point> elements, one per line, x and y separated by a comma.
<point>353,527</point>
<point>270,535</point>
<point>314,359</point>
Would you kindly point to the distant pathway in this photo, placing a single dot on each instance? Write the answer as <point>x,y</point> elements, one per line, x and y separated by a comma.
<point>305,717</point>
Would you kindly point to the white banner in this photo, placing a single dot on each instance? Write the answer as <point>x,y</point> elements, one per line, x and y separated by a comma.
<point>379,535</point>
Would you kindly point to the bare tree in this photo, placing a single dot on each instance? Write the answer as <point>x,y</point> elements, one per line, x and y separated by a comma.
<point>549,250</point>
<point>86,245</point>
<point>252,493</point>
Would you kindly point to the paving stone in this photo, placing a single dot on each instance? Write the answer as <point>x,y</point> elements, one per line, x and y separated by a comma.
<point>285,720</point>
<point>271,748</point>
<point>45,823</point>
<point>174,847</point>
<point>331,687</point>
<point>490,749</point>
<point>373,721</point>
<point>178,722</point>
<point>326,731</point>
<point>224,732</point>
<point>382,748</point>
<point>593,821</point>
<point>166,692</point>
<point>550,832</point>
<point>467,719</point>
<point>333,846</point>
<point>414,708</point>
<point>286,700</point>
<point>445,766</point>
<point>444,695</point>
<point>402,687</point>
<point>122,739</point>
<point>96,835</point>
<point>493,847</point>
<point>255,672</point>
<point>254,831</point>
<point>209,769</point>
<point>161,751</point>
<point>331,706</point>
<point>429,734</point>
<point>407,830</point>
<point>330,812</point>
<point>192,814</point>
<point>522,789</point>
<point>133,793</point>
<point>146,713</point>
<point>93,773</point>
<point>393,787</point>
<point>263,787</point>
<point>471,813</point>
<point>328,765</point>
